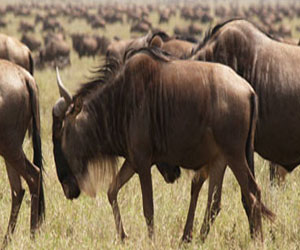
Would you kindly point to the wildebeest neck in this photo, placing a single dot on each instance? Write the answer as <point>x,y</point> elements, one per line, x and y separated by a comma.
<point>108,119</point>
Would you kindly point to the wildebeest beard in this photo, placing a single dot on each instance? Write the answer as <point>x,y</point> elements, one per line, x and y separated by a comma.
<point>90,170</point>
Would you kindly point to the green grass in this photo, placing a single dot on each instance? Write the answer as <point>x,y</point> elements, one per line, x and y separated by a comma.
<point>88,223</point>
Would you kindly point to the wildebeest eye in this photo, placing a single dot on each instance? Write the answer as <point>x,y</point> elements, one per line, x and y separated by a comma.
<point>75,107</point>
<point>70,109</point>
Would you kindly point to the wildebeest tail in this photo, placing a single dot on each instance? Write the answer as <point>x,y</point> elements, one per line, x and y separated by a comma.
<point>251,133</point>
<point>31,64</point>
<point>250,149</point>
<point>36,141</point>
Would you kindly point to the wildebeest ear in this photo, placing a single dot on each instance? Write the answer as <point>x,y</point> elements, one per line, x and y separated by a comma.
<point>156,42</point>
<point>78,103</point>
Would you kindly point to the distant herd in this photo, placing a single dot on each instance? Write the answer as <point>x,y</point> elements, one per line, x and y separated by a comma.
<point>170,101</point>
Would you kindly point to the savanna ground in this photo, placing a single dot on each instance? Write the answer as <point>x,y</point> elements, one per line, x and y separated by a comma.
<point>88,223</point>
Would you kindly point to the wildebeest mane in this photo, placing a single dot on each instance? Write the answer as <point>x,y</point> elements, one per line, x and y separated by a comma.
<point>190,39</point>
<point>154,52</point>
<point>163,35</point>
<point>101,76</point>
<point>211,31</point>
<point>104,74</point>
<point>124,98</point>
<point>166,38</point>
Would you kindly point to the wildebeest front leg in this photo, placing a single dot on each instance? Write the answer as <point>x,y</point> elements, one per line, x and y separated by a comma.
<point>197,183</point>
<point>147,194</point>
<point>123,176</point>
<point>17,194</point>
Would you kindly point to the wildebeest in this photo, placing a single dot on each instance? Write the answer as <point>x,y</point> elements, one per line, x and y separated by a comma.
<point>52,24</point>
<point>55,52</point>
<point>103,43</point>
<point>141,26</point>
<point>85,45</point>
<point>25,26</point>
<point>19,112</point>
<point>58,36</point>
<point>117,49</point>
<point>153,109</point>
<point>175,47</point>
<point>3,23</point>
<point>13,50</point>
<point>271,67</point>
<point>31,41</point>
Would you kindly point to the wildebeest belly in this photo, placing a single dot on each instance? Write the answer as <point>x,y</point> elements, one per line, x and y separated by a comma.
<point>191,151</point>
<point>278,130</point>
<point>280,144</point>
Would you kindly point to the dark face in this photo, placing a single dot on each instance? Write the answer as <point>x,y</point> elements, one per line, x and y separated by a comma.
<point>64,173</point>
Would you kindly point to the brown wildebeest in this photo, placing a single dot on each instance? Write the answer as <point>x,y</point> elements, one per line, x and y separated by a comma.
<point>175,47</point>
<point>117,49</point>
<point>52,24</point>
<point>271,68</point>
<point>3,23</point>
<point>31,42</point>
<point>85,45</point>
<point>55,52</point>
<point>19,112</point>
<point>141,27</point>
<point>152,109</point>
<point>103,43</point>
<point>13,50</point>
<point>25,26</point>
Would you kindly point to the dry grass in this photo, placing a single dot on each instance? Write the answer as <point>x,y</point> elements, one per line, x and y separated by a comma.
<point>88,223</point>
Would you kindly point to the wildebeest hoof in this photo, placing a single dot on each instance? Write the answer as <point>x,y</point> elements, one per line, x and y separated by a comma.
<point>124,237</point>
<point>187,238</point>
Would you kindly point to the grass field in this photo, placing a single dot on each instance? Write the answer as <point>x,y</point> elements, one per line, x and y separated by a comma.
<point>88,223</point>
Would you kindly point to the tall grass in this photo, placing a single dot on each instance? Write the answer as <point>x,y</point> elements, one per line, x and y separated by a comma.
<point>88,223</point>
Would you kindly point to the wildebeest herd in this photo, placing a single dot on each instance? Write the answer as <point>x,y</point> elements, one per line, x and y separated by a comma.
<point>194,100</point>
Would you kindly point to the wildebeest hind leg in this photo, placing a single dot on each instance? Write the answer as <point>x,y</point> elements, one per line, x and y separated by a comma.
<point>123,176</point>
<point>17,194</point>
<point>251,193</point>
<point>216,176</point>
<point>32,176</point>
<point>197,182</point>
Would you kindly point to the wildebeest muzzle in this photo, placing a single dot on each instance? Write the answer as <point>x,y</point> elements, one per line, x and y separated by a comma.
<point>70,187</point>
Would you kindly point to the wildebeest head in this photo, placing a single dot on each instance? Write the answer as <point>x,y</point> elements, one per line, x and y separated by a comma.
<point>80,163</point>
<point>59,126</point>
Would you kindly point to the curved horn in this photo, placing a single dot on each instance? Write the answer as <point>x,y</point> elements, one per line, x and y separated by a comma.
<point>62,89</point>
